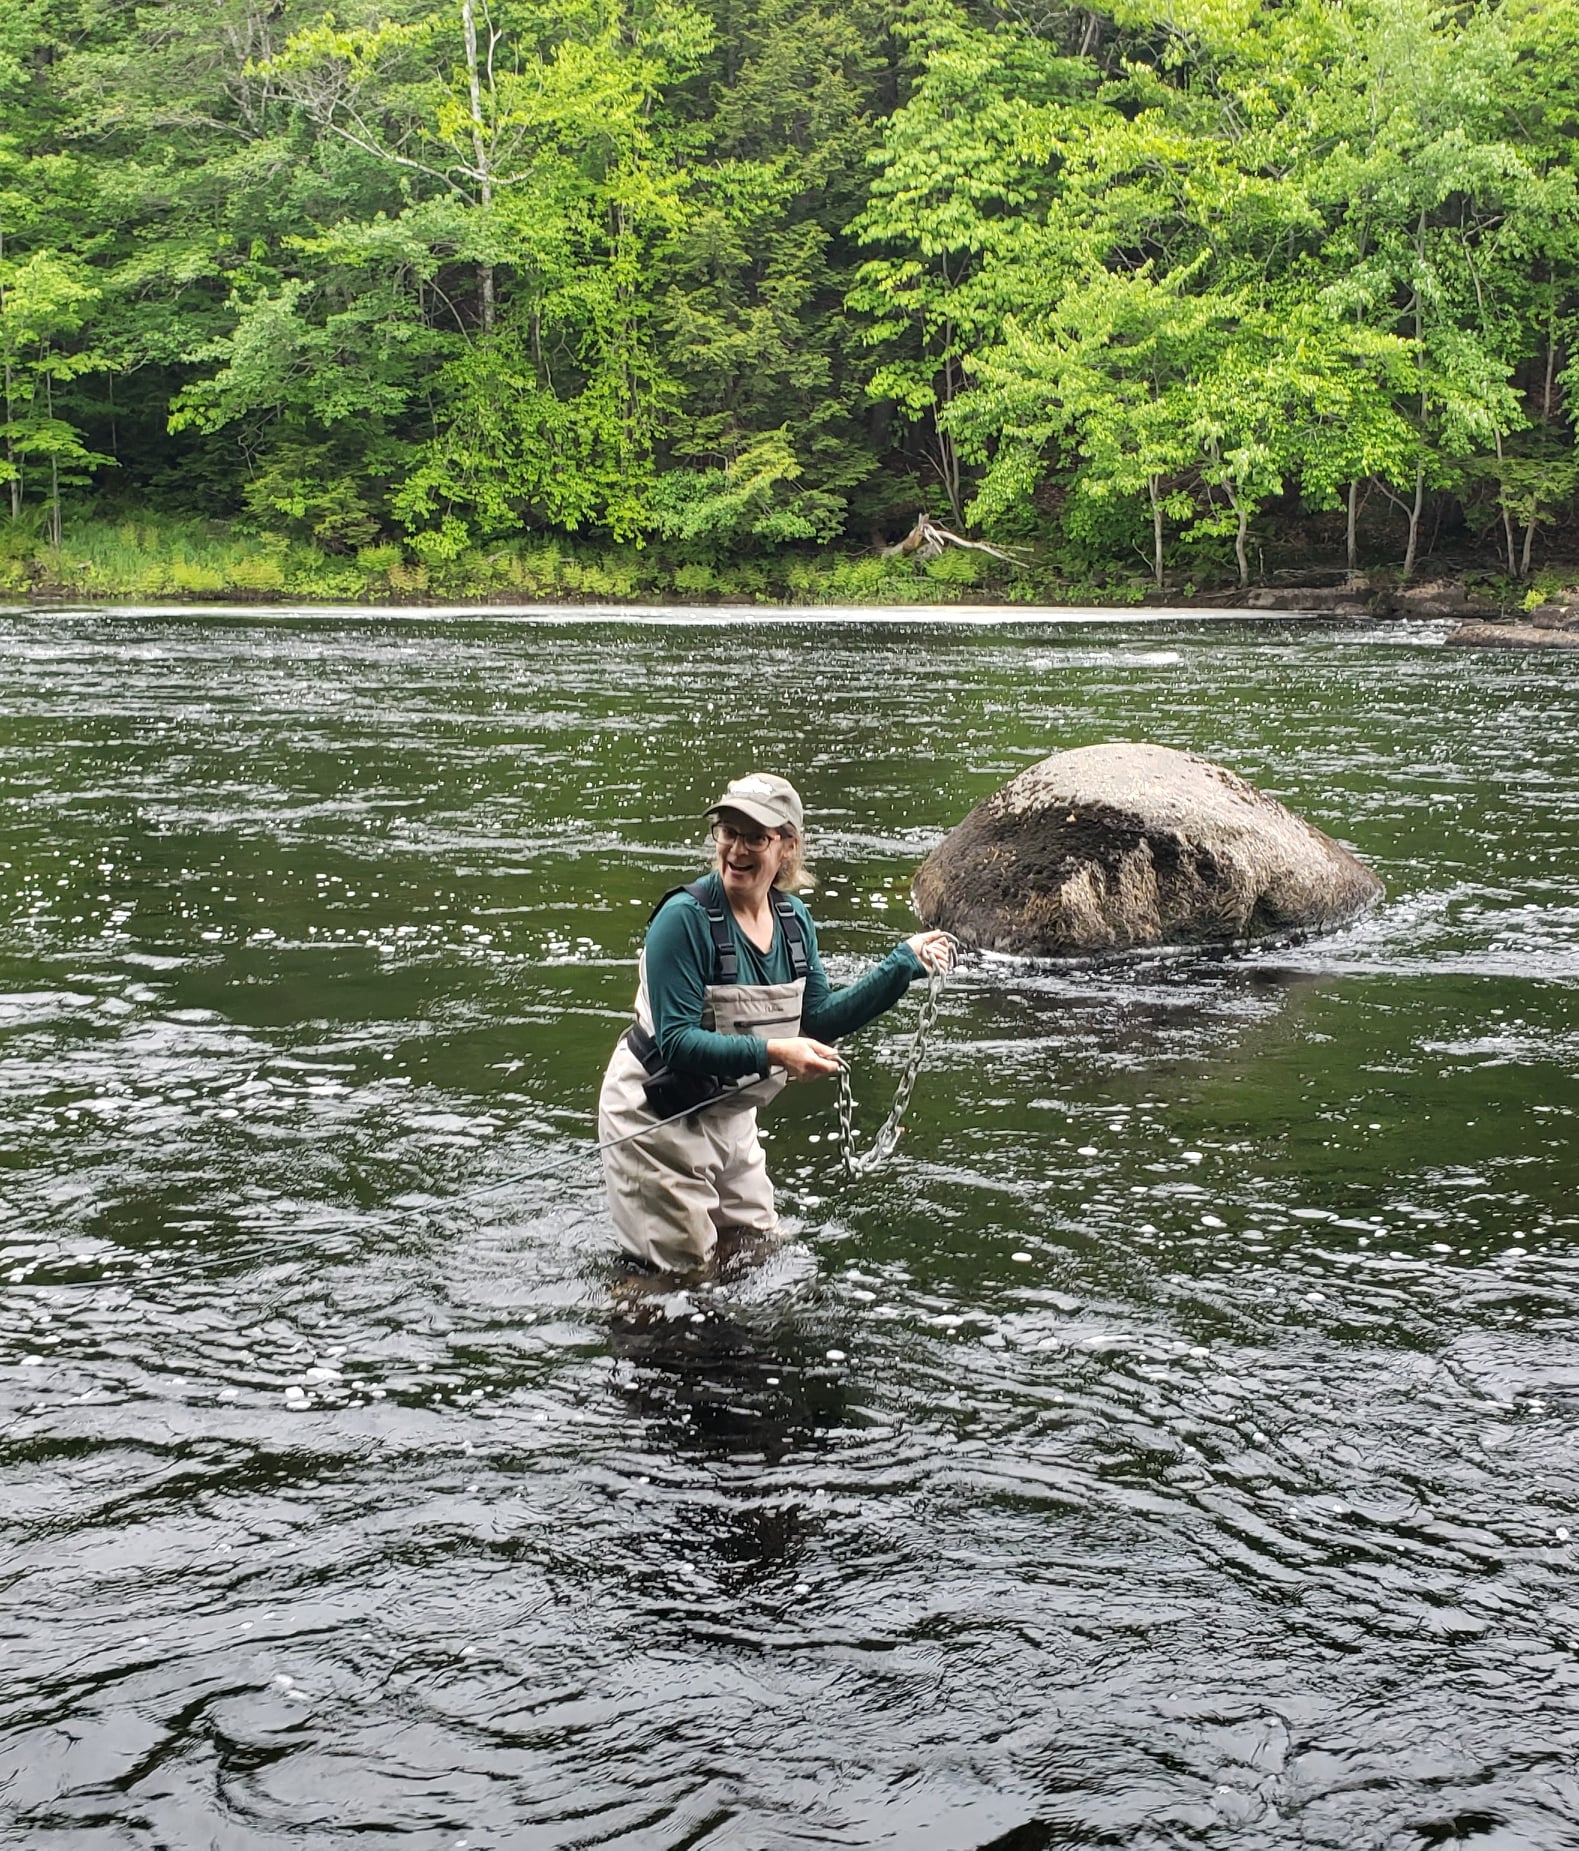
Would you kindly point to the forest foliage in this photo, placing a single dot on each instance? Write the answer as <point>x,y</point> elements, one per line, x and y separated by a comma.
<point>437,294</point>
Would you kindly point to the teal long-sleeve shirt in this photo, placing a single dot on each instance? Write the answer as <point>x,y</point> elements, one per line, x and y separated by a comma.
<point>681,964</point>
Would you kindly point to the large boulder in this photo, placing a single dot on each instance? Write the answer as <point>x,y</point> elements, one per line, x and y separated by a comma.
<point>1113,847</point>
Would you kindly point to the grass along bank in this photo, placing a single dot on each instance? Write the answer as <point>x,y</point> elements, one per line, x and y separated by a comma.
<point>145,559</point>
<point>171,559</point>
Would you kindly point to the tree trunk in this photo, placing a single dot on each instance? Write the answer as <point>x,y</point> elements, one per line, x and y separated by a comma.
<point>946,458</point>
<point>1352,536</point>
<point>630,395</point>
<point>948,469</point>
<point>54,467</point>
<point>1241,532</point>
<point>1546,425</point>
<point>1412,551</point>
<point>1153,490</point>
<point>10,449</point>
<point>485,288</point>
<point>1507,517</point>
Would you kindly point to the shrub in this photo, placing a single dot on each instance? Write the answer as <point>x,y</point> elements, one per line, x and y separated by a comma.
<point>377,562</point>
<point>610,580</point>
<point>194,578</point>
<point>694,578</point>
<point>953,566</point>
<point>408,578</point>
<point>256,572</point>
<point>536,570</point>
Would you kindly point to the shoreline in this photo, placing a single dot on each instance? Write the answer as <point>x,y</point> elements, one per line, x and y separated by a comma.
<point>1435,598</point>
<point>1482,619</point>
<point>181,560</point>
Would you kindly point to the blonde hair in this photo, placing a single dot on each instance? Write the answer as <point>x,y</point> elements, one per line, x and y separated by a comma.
<point>794,876</point>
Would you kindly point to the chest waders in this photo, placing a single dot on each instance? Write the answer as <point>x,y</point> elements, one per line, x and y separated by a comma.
<point>671,1191</point>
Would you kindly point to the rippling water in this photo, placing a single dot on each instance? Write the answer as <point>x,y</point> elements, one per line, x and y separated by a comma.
<point>1174,1446</point>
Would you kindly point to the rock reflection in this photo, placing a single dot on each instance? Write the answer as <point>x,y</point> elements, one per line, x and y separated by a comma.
<point>1147,1002</point>
<point>728,1387</point>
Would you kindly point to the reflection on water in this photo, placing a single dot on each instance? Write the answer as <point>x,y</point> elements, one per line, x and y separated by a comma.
<point>1174,1446</point>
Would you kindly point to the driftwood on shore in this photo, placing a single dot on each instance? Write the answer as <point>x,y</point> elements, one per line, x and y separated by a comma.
<point>926,540</point>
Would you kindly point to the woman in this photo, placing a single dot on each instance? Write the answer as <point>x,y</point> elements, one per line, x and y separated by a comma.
<point>732,1002</point>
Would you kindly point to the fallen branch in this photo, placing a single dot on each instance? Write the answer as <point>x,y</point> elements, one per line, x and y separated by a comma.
<point>926,540</point>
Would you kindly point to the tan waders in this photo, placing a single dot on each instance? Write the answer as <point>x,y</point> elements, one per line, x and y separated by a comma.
<point>671,1190</point>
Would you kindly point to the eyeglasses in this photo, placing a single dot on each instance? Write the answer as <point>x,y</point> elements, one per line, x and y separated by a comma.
<point>747,838</point>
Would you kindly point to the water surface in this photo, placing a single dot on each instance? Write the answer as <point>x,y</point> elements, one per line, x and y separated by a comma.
<point>1174,1446</point>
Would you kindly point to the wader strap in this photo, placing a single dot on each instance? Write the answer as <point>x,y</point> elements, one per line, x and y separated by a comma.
<point>723,937</point>
<point>642,1045</point>
<point>794,937</point>
<point>645,1047</point>
<point>717,924</point>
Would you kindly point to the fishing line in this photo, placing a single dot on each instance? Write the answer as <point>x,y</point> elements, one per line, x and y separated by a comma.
<point>877,1152</point>
<point>882,1146</point>
<point>574,1153</point>
<point>886,1141</point>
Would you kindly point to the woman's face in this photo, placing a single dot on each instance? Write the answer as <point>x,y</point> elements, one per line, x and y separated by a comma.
<point>749,856</point>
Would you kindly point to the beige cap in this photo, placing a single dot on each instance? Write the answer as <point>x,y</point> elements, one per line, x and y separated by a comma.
<point>767,799</point>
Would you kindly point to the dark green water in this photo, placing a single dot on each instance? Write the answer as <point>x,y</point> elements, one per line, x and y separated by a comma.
<point>1175,1446</point>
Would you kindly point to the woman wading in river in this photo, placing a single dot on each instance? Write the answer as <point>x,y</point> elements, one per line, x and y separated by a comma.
<point>732,1002</point>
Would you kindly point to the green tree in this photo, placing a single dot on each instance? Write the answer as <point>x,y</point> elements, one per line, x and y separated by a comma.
<point>748,276</point>
<point>957,210</point>
<point>44,302</point>
<point>765,358</point>
<point>1097,390</point>
<point>533,143</point>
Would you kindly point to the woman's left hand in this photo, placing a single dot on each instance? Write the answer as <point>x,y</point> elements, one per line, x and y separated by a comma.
<point>934,949</point>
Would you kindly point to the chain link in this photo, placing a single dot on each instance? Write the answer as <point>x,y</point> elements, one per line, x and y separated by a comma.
<point>882,1146</point>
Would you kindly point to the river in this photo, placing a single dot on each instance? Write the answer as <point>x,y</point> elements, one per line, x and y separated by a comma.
<point>1173,1446</point>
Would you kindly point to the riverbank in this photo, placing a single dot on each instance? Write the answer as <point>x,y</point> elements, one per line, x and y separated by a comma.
<point>146,560</point>
<point>165,560</point>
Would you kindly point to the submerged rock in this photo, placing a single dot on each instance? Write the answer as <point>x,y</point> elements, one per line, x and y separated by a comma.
<point>1113,847</point>
<point>1552,625</point>
<point>1531,635</point>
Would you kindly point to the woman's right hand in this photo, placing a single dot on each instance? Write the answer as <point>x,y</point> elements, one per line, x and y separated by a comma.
<point>804,1059</point>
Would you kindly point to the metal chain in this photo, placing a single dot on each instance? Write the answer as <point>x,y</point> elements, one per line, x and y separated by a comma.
<point>882,1146</point>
